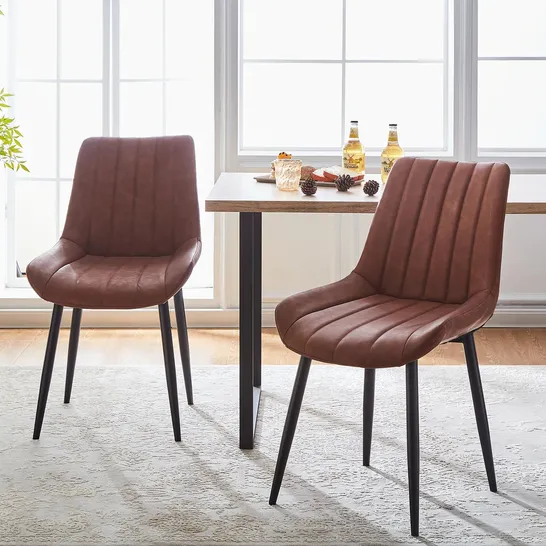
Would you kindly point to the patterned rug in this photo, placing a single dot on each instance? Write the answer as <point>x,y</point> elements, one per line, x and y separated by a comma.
<point>107,471</point>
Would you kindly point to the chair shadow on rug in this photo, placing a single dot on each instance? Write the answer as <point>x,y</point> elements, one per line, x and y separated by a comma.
<point>429,274</point>
<point>267,464</point>
<point>453,510</point>
<point>131,240</point>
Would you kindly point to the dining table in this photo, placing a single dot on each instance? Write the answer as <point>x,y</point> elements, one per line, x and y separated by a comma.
<point>241,193</point>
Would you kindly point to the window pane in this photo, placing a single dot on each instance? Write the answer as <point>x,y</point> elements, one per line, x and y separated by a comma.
<point>408,94</point>
<point>81,39</point>
<point>511,104</point>
<point>292,29</point>
<point>183,118</point>
<point>203,274</point>
<point>35,213</point>
<point>65,188</point>
<point>35,38</point>
<point>81,117</point>
<point>4,52</point>
<point>141,107</point>
<point>185,32</point>
<point>189,102</point>
<point>507,28</point>
<point>284,105</point>
<point>183,58</point>
<point>397,29</point>
<point>190,107</point>
<point>36,113</point>
<point>141,30</point>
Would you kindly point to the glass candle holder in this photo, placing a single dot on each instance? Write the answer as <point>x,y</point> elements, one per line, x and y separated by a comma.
<point>288,174</point>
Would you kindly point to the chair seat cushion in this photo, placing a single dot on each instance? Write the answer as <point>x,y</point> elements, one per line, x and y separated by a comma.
<point>67,276</point>
<point>348,323</point>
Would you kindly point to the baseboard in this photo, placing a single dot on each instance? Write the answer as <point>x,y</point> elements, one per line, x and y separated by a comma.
<point>140,318</point>
<point>506,315</point>
<point>519,315</point>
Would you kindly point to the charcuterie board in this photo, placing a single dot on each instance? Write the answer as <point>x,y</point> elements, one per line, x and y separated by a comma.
<point>269,179</point>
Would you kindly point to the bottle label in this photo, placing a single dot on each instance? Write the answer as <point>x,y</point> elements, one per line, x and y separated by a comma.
<point>386,164</point>
<point>355,162</point>
<point>393,137</point>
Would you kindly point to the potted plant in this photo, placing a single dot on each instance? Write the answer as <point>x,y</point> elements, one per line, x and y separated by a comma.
<point>10,144</point>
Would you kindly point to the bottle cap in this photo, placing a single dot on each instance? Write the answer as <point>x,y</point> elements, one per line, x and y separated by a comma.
<point>354,121</point>
<point>393,124</point>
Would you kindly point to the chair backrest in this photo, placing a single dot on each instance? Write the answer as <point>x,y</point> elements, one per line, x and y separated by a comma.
<point>437,233</point>
<point>134,196</point>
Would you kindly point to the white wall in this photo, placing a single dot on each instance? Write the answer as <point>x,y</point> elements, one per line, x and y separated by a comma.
<point>523,278</point>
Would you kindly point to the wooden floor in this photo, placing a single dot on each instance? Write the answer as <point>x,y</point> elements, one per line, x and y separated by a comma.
<point>211,346</point>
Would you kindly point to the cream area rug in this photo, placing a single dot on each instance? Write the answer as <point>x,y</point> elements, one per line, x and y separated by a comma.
<point>107,470</point>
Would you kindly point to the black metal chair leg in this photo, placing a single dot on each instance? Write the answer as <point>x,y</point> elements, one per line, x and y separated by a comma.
<point>182,329</point>
<point>290,426</point>
<point>479,407</point>
<point>47,369</point>
<point>369,393</point>
<point>72,352</point>
<point>412,419</point>
<point>170,368</point>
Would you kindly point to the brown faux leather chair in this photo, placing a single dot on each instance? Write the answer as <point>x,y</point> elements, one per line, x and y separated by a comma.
<point>429,274</point>
<point>131,240</point>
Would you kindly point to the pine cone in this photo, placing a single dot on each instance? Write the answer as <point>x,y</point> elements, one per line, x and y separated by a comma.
<point>344,182</point>
<point>308,186</point>
<point>371,187</point>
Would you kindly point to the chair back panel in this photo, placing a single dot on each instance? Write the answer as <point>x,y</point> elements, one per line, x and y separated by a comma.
<point>134,196</point>
<point>437,233</point>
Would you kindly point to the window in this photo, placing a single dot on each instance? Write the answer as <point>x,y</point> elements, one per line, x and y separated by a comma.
<point>512,77</point>
<point>463,79</point>
<point>308,67</point>
<point>103,67</point>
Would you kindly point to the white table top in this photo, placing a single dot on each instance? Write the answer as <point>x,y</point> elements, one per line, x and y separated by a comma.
<point>239,192</point>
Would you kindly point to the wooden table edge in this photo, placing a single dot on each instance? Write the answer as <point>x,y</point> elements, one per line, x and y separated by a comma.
<point>334,207</point>
<point>526,208</point>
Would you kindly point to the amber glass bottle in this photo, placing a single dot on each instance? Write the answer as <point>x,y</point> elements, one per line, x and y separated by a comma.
<point>353,151</point>
<point>391,153</point>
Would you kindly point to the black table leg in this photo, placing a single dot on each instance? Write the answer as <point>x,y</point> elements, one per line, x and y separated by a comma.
<point>257,301</point>
<point>250,323</point>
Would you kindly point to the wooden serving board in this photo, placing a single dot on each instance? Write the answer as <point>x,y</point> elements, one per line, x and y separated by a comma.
<point>267,178</point>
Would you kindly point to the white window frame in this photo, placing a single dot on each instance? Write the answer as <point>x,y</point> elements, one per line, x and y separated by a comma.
<point>18,287</point>
<point>460,108</point>
<point>521,160</point>
<point>11,278</point>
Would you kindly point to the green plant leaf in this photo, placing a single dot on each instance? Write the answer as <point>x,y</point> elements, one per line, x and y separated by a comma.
<point>10,146</point>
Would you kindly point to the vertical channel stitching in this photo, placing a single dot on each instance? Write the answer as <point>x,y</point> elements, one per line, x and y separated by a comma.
<point>113,201</point>
<point>174,200</point>
<point>475,229</point>
<point>153,196</point>
<point>416,224</point>
<point>454,238</point>
<point>393,229</point>
<point>435,231</point>
<point>91,209</point>
<point>135,178</point>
